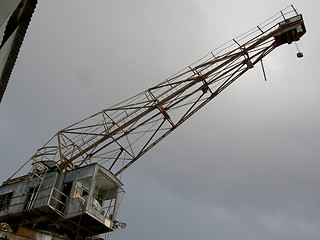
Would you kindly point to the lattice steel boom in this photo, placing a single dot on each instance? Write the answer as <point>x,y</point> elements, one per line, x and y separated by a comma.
<point>117,136</point>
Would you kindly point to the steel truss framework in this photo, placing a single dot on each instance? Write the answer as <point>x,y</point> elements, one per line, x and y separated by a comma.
<point>117,136</point>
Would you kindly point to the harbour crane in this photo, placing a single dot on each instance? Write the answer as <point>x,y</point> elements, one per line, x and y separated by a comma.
<point>74,188</point>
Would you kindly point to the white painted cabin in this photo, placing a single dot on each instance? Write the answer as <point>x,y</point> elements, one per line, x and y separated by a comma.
<point>82,201</point>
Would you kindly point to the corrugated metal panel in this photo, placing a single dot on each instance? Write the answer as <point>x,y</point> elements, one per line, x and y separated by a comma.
<point>7,7</point>
<point>5,50</point>
<point>24,21</point>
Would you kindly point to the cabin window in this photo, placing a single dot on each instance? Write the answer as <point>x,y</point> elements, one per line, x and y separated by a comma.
<point>66,190</point>
<point>82,188</point>
<point>106,195</point>
<point>5,200</point>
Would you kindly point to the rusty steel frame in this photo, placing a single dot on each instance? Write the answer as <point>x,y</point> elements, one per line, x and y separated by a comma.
<point>117,136</point>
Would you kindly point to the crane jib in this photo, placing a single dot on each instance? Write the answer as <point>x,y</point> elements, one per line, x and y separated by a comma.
<point>289,30</point>
<point>128,130</point>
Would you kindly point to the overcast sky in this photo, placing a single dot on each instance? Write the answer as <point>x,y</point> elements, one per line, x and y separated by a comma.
<point>245,167</point>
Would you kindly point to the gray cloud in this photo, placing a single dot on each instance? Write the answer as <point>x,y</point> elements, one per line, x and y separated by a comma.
<point>245,167</point>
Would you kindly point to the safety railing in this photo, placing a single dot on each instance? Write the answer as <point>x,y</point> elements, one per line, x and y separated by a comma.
<point>51,197</point>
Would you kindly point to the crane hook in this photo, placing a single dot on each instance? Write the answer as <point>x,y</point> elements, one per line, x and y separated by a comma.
<point>299,53</point>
